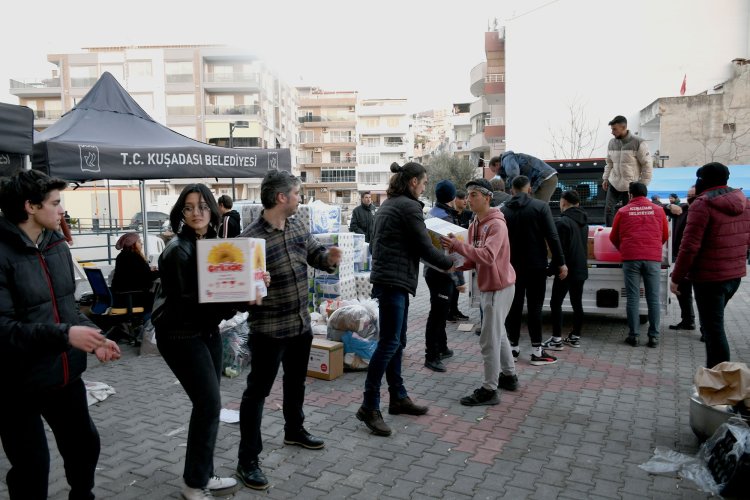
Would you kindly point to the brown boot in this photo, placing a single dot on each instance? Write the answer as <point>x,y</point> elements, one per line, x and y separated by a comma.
<point>373,419</point>
<point>405,406</point>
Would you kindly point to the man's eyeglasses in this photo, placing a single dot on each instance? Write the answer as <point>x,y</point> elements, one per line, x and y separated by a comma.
<point>202,208</point>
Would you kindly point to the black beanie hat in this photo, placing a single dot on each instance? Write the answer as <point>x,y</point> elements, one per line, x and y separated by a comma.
<point>711,175</point>
<point>445,191</point>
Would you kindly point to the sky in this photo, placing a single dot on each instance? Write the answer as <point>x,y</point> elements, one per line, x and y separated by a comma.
<point>611,56</point>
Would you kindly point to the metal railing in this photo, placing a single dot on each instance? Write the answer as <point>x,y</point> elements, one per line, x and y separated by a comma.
<point>237,109</point>
<point>83,82</point>
<point>231,78</point>
<point>494,78</point>
<point>47,114</point>
<point>494,121</point>
<point>35,83</point>
<point>180,78</point>
<point>335,118</point>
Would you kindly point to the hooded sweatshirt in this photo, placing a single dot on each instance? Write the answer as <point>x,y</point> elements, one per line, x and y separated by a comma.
<point>573,230</point>
<point>230,225</point>
<point>488,251</point>
<point>715,242</point>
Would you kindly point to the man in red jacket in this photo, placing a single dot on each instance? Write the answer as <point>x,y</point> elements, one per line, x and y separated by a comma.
<point>713,253</point>
<point>639,231</point>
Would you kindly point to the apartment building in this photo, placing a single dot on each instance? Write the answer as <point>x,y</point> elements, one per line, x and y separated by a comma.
<point>327,152</point>
<point>214,94</point>
<point>449,136</point>
<point>487,113</point>
<point>384,129</point>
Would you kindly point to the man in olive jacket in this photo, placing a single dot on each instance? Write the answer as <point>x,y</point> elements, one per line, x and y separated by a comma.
<point>43,343</point>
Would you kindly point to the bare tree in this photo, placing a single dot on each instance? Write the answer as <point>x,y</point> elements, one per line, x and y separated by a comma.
<point>577,138</point>
<point>446,166</point>
<point>725,137</point>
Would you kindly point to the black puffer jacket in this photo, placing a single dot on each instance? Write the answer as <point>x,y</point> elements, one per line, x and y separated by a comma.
<point>37,308</point>
<point>530,225</point>
<point>573,229</point>
<point>400,240</point>
<point>177,312</point>
<point>230,225</point>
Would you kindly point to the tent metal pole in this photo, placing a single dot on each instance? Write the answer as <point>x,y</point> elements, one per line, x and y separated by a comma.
<point>144,218</point>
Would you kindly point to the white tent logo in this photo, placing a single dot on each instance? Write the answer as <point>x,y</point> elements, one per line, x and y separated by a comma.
<point>4,159</point>
<point>273,161</point>
<point>89,158</point>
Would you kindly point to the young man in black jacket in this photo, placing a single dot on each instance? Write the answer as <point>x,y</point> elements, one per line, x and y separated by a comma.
<point>530,230</point>
<point>573,229</point>
<point>44,341</point>
<point>363,218</point>
<point>230,226</point>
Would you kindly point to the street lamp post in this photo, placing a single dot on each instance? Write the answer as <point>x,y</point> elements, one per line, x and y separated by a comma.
<point>232,126</point>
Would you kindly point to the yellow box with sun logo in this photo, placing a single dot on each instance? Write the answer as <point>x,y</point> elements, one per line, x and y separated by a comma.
<point>231,270</point>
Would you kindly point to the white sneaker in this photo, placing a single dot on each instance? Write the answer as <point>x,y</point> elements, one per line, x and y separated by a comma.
<point>221,483</point>
<point>196,493</point>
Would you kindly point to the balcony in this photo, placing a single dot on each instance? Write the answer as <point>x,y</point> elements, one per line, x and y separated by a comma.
<point>237,109</point>
<point>45,114</point>
<point>328,99</point>
<point>494,129</point>
<point>184,78</point>
<point>33,87</point>
<point>478,107</point>
<point>478,143</point>
<point>313,121</point>
<point>83,82</point>
<point>477,75</point>
<point>231,82</point>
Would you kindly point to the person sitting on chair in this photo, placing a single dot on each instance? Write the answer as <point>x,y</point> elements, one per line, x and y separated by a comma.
<point>132,273</point>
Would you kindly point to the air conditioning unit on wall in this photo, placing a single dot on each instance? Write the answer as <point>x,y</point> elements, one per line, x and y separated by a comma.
<point>318,150</point>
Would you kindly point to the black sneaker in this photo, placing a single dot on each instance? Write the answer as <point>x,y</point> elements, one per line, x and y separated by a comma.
<point>405,406</point>
<point>435,365</point>
<point>653,342</point>
<point>572,341</point>
<point>448,353</point>
<point>632,340</point>
<point>304,439</point>
<point>515,351</point>
<point>481,396</point>
<point>682,326</point>
<point>460,316</point>
<point>478,330</point>
<point>553,345</point>
<point>508,382</point>
<point>373,419</point>
<point>252,476</point>
<point>545,359</point>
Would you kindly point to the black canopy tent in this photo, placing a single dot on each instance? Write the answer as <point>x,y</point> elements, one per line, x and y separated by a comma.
<point>109,136</point>
<point>16,137</point>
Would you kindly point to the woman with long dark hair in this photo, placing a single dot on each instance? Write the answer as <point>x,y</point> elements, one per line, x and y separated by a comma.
<point>132,272</point>
<point>187,334</point>
<point>399,241</point>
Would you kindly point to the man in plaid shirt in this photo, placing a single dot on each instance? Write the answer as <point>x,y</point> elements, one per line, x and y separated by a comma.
<point>280,327</point>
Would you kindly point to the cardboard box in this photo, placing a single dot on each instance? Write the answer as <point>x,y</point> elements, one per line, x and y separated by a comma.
<point>438,227</point>
<point>591,248</point>
<point>326,359</point>
<point>231,270</point>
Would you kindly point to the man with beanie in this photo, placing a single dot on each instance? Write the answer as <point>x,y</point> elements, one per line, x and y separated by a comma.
<point>628,160</point>
<point>639,232</point>
<point>363,217</point>
<point>531,230</point>
<point>713,253</point>
<point>488,251</point>
<point>441,285</point>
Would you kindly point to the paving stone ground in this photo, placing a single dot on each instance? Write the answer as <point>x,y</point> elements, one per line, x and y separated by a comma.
<point>576,429</point>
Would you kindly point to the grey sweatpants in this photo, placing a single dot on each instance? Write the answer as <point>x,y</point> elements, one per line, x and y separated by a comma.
<point>493,340</point>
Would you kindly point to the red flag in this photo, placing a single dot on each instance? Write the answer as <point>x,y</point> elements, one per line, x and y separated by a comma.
<point>683,87</point>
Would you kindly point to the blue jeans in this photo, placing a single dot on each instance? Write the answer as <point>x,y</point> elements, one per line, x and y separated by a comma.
<point>394,311</point>
<point>711,298</point>
<point>633,271</point>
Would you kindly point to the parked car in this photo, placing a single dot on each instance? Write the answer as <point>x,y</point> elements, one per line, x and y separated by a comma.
<point>155,220</point>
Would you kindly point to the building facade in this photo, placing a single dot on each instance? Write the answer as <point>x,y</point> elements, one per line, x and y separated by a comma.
<point>218,95</point>
<point>487,113</point>
<point>384,130</point>
<point>711,126</point>
<point>327,153</point>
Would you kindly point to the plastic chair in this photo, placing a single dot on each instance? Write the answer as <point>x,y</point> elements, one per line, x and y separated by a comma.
<point>126,319</point>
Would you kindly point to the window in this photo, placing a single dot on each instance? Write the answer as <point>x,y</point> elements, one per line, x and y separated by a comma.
<point>369,159</point>
<point>730,128</point>
<point>341,135</point>
<point>338,175</point>
<point>372,122</point>
<point>186,131</point>
<point>371,142</point>
<point>306,136</point>
<point>82,76</point>
<point>343,196</point>
<point>374,177</point>
<point>156,192</point>
<point>180,104</point>
<point>393,121</point>
<point>115,69</point>
<point>139,69</point>
<point>179,71</point>
<point>394,141</point>
<point>335,156</point>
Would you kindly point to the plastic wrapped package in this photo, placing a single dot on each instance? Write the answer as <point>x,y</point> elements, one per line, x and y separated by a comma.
<point>361,347</point>
<point>324,218</point>
<point>234,335</point>
<point>360,317</point>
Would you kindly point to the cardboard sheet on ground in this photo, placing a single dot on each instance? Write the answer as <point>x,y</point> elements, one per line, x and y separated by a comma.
<point>727,383</point>
<point>229,416</point>
<point>97,391</point>
<point>465,327</point>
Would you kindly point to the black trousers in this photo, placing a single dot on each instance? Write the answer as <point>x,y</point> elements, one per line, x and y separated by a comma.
<point>25,442</point>
<point>685,299</point>
<point>196,362</point>
<point>454,302</point>
<point>711,298</point>
<point>441,291</point>
<point>611,202</point>
<point>560,288</point>
<point>531,287</point>
<point>267,353</point>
